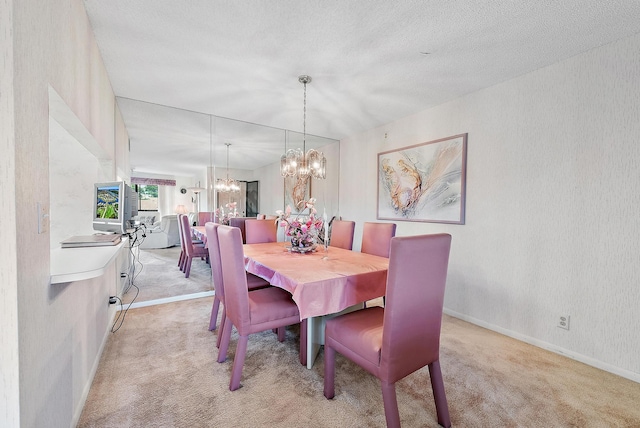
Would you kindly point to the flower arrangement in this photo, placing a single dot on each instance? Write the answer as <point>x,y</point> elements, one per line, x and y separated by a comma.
<point>303,230</point>
<point>223,217</point>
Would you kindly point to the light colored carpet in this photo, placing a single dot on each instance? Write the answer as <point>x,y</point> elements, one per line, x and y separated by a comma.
<point>160,370</point>
<point>158,276</point>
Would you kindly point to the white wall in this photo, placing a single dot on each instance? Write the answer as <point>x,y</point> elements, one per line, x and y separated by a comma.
<point>9,349</point>
<point>61,328</point>
<point>553,194</point>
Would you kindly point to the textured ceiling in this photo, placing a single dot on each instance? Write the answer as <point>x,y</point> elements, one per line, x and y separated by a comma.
<point>372,62</point>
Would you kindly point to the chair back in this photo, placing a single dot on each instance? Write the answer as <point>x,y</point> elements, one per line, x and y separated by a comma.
<point>180,231</point>
<point>234,278</point>
<point>376,238</point>
<point>205,217</point>
<point>239,223</point>
<point>261,216</point>
<point>415,296</point>
<point>260,231</point>
<point>342,234</point>
<point>213,244</point>
<point>186,236</point>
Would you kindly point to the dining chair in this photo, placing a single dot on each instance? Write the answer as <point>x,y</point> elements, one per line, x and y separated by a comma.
<point>261,216</point>
<point>191,250</point>
<point>253,282</point>
<point>239,223</point>
<point>182,250</point>
<point>250,312</point>
<point>397,340</point>
<point>205,217</point>
<point>342,234</point>
<point>260,231</point>
<point>376,238</point>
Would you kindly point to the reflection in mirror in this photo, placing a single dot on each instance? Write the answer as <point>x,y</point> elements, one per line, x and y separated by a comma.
<point>189,147</point>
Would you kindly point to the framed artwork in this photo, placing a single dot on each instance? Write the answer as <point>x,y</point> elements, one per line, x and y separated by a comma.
<point>296,190</point>
<point>425,182</point>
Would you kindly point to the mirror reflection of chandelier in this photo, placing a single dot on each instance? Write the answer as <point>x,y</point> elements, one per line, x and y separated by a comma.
<point>300,163</point>
<point>228,185</point>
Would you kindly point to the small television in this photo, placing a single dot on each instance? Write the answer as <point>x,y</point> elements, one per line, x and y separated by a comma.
<point>114,205</point>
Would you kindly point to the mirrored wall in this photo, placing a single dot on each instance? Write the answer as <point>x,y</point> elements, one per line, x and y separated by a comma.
<point>191,147</point>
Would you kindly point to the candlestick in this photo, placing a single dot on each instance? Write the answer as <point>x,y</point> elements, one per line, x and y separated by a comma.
<point>326,228</point>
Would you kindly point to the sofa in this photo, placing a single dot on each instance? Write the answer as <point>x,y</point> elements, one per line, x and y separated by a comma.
<point>162,235</point>
<point>148,219</point>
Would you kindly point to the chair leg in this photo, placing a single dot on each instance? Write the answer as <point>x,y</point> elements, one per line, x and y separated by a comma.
<point>187,266</point>
<point>238,363</point>
<point>223,321</point>
<point>391,412</point>
<point>303,342</point>
<point>437,385</point>
<point>329,371</point>
<point>184,262</point>
<point>214,313</point>
<point>281,333</point>
<point>226,338</point>
<point>181,258</point>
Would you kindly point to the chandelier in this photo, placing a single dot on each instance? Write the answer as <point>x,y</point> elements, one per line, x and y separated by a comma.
<point>300,163</point>
<point>228,185</point>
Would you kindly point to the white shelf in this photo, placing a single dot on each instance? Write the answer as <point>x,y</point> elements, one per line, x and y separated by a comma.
<point>79,264</point>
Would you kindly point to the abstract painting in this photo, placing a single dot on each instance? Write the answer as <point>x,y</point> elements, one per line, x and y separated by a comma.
<point>424,182</point>
<point>296,190</point>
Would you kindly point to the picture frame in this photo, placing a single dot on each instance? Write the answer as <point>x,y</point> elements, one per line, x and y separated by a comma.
<point>296,190</point>
<point>425,182</point>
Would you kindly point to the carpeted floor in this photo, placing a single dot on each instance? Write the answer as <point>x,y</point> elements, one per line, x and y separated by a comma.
<point>158,276</point>
<point>160,370</point>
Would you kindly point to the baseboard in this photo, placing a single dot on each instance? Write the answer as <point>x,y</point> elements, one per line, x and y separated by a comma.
<point>627,374</point>
<point>169,300</point>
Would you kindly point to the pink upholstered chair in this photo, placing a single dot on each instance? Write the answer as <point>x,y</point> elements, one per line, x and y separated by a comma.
<point>253,282</point>
<point>342,234</point>
<point>182,251</point>
<point>260,231</point>
<point>376,238</point>
<point>191,250</point>
<point>394,342</point>
<point>205,217</point>
<point>250,312</point>
<point>239,223</point>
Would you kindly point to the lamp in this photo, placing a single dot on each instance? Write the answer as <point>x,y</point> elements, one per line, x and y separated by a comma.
<point>296,162</point>
<point>181,209</point>
<point>196,192</point>
<point>228,185</point>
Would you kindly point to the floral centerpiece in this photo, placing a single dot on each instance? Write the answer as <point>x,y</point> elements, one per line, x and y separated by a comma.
<point>224,216</point>
<point>303,230</point>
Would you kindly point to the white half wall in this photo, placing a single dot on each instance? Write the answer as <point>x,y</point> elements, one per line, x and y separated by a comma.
<point>61,327</point>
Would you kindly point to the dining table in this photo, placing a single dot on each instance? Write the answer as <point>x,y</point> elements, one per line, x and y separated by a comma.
<point>323,283</point>
<point>200,233</point>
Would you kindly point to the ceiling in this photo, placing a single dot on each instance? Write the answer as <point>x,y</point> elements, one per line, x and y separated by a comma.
<point>371,61</point>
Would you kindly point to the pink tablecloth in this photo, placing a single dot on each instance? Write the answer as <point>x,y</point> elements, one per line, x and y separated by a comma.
<point>320,283</point>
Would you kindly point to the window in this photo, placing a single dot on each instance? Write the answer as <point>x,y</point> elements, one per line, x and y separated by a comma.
<point>147,197</point>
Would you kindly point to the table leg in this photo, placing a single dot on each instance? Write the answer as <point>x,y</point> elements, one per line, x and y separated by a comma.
<point>315,338</point>
<point>315,332</point>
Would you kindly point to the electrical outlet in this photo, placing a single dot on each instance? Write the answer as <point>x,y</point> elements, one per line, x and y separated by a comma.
<point>563,321</point>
